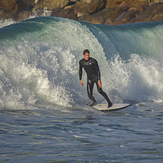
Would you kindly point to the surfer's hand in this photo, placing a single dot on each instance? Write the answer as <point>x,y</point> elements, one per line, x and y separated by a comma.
<point>99,83</point>
<point>81,82</point>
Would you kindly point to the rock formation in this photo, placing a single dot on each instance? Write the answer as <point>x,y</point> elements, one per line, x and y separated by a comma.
<point>92,11</point>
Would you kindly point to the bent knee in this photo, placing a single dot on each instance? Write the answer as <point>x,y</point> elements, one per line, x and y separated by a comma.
<point>89,95</point>
<point>99,90</point>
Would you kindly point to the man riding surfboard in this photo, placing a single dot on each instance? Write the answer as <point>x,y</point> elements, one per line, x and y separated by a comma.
<point>91,67</point>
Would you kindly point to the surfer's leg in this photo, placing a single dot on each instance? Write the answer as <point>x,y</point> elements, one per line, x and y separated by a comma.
<point>104,95</point>
<point>90,85</point>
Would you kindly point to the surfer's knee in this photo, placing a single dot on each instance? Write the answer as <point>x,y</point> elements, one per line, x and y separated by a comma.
<point>89,95</point>
<point>99,90</point>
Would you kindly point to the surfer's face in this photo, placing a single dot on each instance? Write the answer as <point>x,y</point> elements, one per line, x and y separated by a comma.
<point>86,56</point>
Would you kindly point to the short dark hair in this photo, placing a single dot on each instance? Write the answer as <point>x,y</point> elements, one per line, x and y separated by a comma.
<point>85,51</point>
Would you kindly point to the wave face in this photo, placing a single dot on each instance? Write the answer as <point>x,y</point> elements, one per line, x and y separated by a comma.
<point>39,62</point>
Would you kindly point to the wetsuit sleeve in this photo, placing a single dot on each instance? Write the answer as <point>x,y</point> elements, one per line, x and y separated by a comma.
<point>97,70</point>
<point>80,71</point>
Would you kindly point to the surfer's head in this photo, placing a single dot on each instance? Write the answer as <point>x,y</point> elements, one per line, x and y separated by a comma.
<point>86,54</point>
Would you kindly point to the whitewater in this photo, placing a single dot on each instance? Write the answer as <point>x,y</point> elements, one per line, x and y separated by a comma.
<point>43,111</point>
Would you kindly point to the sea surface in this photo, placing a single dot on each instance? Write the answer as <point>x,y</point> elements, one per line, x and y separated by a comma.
<point>43,113</point>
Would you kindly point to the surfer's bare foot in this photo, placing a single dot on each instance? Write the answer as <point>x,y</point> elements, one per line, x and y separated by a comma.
<point>93,103</point>
<point>109,105</point>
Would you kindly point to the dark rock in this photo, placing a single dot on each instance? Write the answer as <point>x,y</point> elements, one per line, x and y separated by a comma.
<point>158,16</point>
<point>21,6</point>
<point>111,3</point>
<point>123,4</point>
<point>23,15</point>
<point>55,12</point>
<point>125,8</point>
<point>135,3</point>
<point>148,14</point>
<point>108,21</point>
<point>126,16</point>
<point>29,4</point>
<point>6,15</point>
<point>65,13</point>
<point>96,5</point>
<point>51,4</point>
<point>112,13</point>
<point>98,20</point>
<point>86,1</point>
<point>142,7</point>
<point>81,8</point>
<point>7,5</point>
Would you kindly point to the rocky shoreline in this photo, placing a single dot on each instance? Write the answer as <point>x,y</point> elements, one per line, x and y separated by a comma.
<point>110,12</point>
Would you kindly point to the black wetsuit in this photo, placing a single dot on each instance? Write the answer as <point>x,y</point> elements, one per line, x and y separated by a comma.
<point>93,75</point>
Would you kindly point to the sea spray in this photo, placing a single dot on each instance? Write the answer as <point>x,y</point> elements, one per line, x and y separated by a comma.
<point>137,79</point>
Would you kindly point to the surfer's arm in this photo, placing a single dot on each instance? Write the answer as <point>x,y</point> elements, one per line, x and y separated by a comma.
<point>81,82</point>
<point>80,74</point>
<point>99,83</point>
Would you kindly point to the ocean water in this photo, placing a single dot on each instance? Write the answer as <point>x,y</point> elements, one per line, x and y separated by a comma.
<point>43,116</point>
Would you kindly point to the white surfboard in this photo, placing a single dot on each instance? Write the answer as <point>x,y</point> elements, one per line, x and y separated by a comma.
<point>104,107</point>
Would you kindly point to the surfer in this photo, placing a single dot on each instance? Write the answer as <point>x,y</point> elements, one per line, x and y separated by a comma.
<point>93,76</point>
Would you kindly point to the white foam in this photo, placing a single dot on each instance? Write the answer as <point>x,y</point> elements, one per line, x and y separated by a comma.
<point>137,79</point>
<point>33,77</point>
<point>6,22</point>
